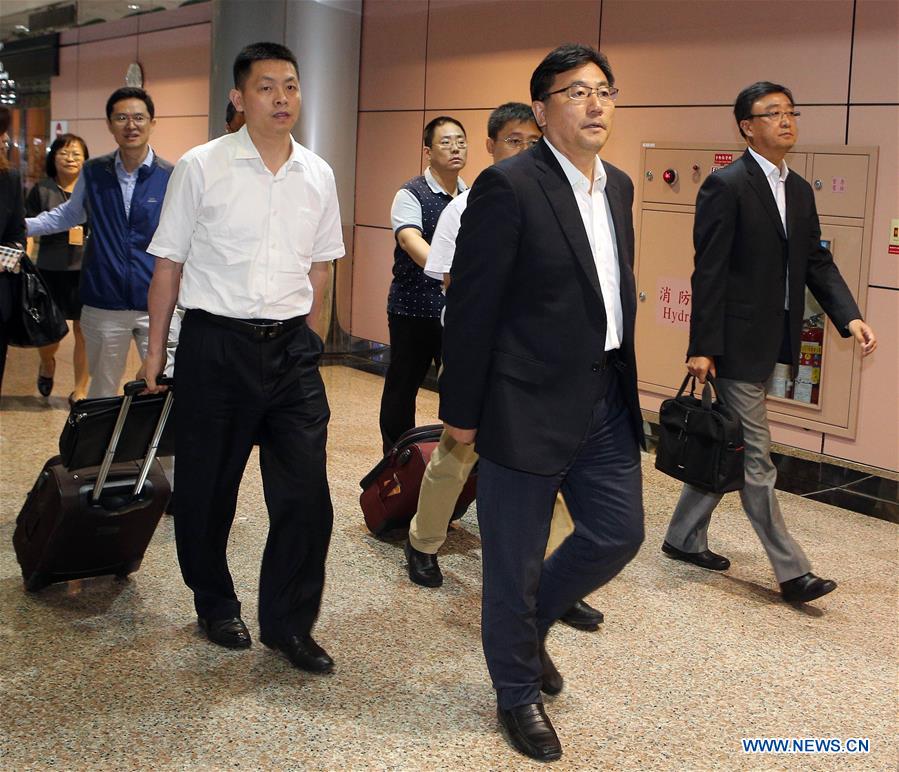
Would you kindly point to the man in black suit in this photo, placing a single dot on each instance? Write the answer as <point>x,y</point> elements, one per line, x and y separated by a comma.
<point>539,368</point>
<point>758,245</point>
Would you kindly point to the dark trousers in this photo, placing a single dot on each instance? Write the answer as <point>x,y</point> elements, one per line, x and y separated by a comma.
<point>232,390</point>
<point>524,594</point>
<point>414,346</point>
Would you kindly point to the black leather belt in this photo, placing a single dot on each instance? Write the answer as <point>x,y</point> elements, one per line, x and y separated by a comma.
<point>255,329</point>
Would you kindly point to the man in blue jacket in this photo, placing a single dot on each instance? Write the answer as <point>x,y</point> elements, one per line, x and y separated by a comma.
<point>121,194</point>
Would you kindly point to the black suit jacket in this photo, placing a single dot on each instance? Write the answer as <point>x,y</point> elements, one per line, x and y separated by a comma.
<point>525,321</point>
<point>739,278</point>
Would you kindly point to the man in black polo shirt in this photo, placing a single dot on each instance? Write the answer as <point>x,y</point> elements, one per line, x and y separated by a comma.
<point>415,300</point>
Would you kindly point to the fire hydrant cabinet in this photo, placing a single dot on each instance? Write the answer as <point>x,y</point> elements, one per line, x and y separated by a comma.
<point>823,394</point>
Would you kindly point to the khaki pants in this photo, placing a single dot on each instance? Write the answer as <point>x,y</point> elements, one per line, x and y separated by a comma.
<point>445,476</point>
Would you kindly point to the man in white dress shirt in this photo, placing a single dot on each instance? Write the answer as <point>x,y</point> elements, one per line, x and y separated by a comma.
<point>249,226</point>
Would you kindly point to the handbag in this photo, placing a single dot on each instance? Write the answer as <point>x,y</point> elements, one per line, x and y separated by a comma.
<point>700,440</point>
<point>37,320</point>
<point>91,423</point>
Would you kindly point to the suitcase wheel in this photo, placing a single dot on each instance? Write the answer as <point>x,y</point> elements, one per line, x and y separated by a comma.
<point>123,573</point>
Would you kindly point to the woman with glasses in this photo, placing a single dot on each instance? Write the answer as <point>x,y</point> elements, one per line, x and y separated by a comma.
<point>59,256</point>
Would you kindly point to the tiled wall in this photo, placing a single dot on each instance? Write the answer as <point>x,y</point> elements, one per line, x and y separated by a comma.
<point>679,66</point>
<point>173,49</point>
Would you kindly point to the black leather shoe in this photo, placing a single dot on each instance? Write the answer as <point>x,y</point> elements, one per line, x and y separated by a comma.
<point>423,568</point>
<point>530,731</point>
<point>44,385</point>
<point>551,681</point>
<point>705,559</point>
<point>231,633</point>
<point>582,617</point>
<point>807,587</point>
<point>303,653</point>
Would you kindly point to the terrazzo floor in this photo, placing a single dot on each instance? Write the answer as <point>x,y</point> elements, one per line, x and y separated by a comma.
<point>109,675</point>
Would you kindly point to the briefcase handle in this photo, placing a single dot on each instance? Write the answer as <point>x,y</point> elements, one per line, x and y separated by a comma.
<point>707,389</point>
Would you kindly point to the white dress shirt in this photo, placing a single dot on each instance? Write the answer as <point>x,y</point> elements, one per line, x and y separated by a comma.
<point>777,179</point>
<point>594,208</point>
<point>406,208</point>
<point>72,212</point>
<point>248,237</point>
<point>443,243</point>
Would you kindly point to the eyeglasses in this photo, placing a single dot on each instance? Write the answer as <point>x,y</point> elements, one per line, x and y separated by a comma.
<point>121,119</point>
<point>518,142</point>
<point>74,156</point>
<point>777,115</point>
<point>446,143</point>
<point>578,92</point>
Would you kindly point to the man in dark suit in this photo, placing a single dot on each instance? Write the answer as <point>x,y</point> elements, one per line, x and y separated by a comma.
<point>539,368</point>
<point>758,245</point>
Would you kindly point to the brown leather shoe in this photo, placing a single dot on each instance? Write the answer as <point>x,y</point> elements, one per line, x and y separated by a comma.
<point>530,731</point>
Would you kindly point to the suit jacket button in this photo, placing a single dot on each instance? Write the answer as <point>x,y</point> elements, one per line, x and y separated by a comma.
<point>596,367</point>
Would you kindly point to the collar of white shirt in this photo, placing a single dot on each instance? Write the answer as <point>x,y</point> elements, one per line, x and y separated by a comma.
<point>770,170</point>
<point>435,186</point>
<point>245,149</point>
<point>148,161</point>
<point>575,176</point>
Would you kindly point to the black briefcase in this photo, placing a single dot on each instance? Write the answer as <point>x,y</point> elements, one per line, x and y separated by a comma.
<point>91,422</point>
<point>37,321</point>
<point>701,440</point>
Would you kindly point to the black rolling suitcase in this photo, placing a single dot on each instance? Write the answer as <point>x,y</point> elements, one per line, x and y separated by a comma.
<point>94,520</point>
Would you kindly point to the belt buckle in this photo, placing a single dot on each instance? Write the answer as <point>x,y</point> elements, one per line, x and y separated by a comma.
<point>272,331</point>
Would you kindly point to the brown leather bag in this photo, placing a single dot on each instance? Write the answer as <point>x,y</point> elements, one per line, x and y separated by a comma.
<point>389,497</point>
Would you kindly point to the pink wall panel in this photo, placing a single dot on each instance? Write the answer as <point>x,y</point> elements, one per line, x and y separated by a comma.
<point>877,438</point>
<point>64,87</point>
<point>112,29</point>
<point>632,126</point>
<point>392,71</point>
<point>875,56</point>
<point>796,437</point>
<point>705,51</point>
<point>388,152</point>
<point>176,66</point>
<point>95,133</point>
<point>481,54</point>
<point>372,266</point>
<point>175,135</point>
<point>475,123</point>
<point>879,126</point>
<point>101,70</point>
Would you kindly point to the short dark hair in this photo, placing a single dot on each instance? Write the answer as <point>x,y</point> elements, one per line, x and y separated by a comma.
<point>230,112</point>
<point>510,111</point>
<point>428,135</point>
<point>258,52</point>
<point>58,144</point>
<point>562,59</point>
<point>130,92</point>
<point>746,98</point>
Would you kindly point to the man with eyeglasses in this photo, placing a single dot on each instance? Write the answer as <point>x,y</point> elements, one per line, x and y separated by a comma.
<point>511,129</point>
<point>758,246</point>
<point>539,370</point>
<point>121,193</point>
<point>415,300</point>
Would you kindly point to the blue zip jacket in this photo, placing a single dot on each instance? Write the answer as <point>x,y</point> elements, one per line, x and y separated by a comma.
<point>117,268</point>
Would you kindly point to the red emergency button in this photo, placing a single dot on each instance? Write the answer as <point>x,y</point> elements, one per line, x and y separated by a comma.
<point>670,176</point>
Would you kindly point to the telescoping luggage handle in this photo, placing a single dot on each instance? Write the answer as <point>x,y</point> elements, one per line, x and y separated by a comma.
<point>133,388</point>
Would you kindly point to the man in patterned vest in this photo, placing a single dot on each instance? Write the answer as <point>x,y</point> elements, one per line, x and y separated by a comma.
<point>415,300</point>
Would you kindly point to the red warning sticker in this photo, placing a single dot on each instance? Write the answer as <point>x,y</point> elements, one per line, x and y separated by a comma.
<point>723,159</point>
